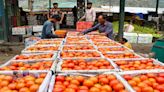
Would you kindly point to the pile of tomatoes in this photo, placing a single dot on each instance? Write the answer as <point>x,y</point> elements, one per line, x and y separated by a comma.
<point>149,82</point>
<point>99,83</point>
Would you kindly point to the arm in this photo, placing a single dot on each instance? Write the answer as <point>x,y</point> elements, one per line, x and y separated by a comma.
<point>82,17</point>
<point>109,29</point>
<point>49,32</point>
<point>62,16</point>
<point>94,15</point>
<point>91,29</point>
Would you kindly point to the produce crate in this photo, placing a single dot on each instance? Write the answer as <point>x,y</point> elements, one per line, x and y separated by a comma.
<point>121,55</point>
<point>78,47</point>
<point>77,43</point>
<point>55,78</point>
<point>80,54</point>
<point>72,39</point>
<point>131,37</point>
<point>54,43</point>
<point>13,65</point>
<point>151,80</point>
<point>41,49</point>
<point>145,38</point>
<point>28,75</point>
<point>81,26</point>
<point>114,49</point>
<point>36,57</point>
<point>31,40</point>
<point>138,64</point>
<point>95,40</point>
<point>107,65</point>
<point>107,44</point>
<point>72,33</point>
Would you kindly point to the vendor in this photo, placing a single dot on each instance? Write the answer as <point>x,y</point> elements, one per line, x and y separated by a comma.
<point>48,26</point>
<point>105,28</point>
<point>90,14</point>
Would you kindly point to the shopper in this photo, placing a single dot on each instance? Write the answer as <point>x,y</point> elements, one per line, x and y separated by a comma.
<point>90,14</point>
<point>56,11</point>
<point>48,26</point>
<point>125,42</point>
<point>129,27</point>
<point>105,28</point>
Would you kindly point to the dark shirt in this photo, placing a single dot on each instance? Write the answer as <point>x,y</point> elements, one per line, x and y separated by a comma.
<point>106,28</point>
<point>47,30</point>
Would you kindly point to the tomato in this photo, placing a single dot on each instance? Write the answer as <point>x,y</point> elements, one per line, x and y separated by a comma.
<point>94,89</point>
<point>132,83</point>
<point>113,82</point>
<point>94,79</point>
<point>137,89</point>
<point>73,86</point>
<point>103,81</point>
<point>106,88</point>
<point>118,87</point>
<point>147,89</point>
<point>160,88</point>
<point>76,82</point>
<point>60,78</point>
<point>80,78</point>
<point>160,80</point>
<point>127,77</point>
<point>111,77</point>
<point>143,77</point>
<point>88,83</point>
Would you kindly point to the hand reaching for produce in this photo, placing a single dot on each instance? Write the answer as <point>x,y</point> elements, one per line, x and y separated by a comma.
<point>102,34</point>
<point>80,34</point>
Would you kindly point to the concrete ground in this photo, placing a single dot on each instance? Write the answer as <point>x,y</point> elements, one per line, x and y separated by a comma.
<point>9,50</point>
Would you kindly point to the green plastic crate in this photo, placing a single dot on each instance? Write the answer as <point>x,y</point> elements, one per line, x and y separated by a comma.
<point>158,49</point>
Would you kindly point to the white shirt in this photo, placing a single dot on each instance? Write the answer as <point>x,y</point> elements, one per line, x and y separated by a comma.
<point>90,15</point>
<point>129,28</point>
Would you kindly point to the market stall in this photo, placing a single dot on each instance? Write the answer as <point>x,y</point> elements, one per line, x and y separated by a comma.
<point>90,63</point>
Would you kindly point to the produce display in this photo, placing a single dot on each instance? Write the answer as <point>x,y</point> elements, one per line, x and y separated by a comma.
<point>79,47</point>
<point>89,63</point>
<point>120,55</point>
<point>85,64</point>
<point>79,54</point>
<point>149,82</point>
<point>28,83</point>
<point>99,83</point>
<point>138,64</point>
<point>33,56</point>
<point>43,65</point>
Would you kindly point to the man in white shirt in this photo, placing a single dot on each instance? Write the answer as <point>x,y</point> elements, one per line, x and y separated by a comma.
<point>90,14</point>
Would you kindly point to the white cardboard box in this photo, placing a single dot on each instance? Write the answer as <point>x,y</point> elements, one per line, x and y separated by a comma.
<point>145,38</point>
<point>131,37</point>
<point>37,28</point>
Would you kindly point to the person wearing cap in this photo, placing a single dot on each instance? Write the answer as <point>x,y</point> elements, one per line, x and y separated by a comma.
<point>90,14</point>
<point>104,27</point>
<point>48,26</point>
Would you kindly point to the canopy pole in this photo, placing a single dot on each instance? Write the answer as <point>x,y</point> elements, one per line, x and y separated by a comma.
<point>121,19</point>
<point>49,5</point>
<point>157,4</point>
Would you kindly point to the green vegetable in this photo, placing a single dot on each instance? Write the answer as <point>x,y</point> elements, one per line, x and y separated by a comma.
<point>139,29</point>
